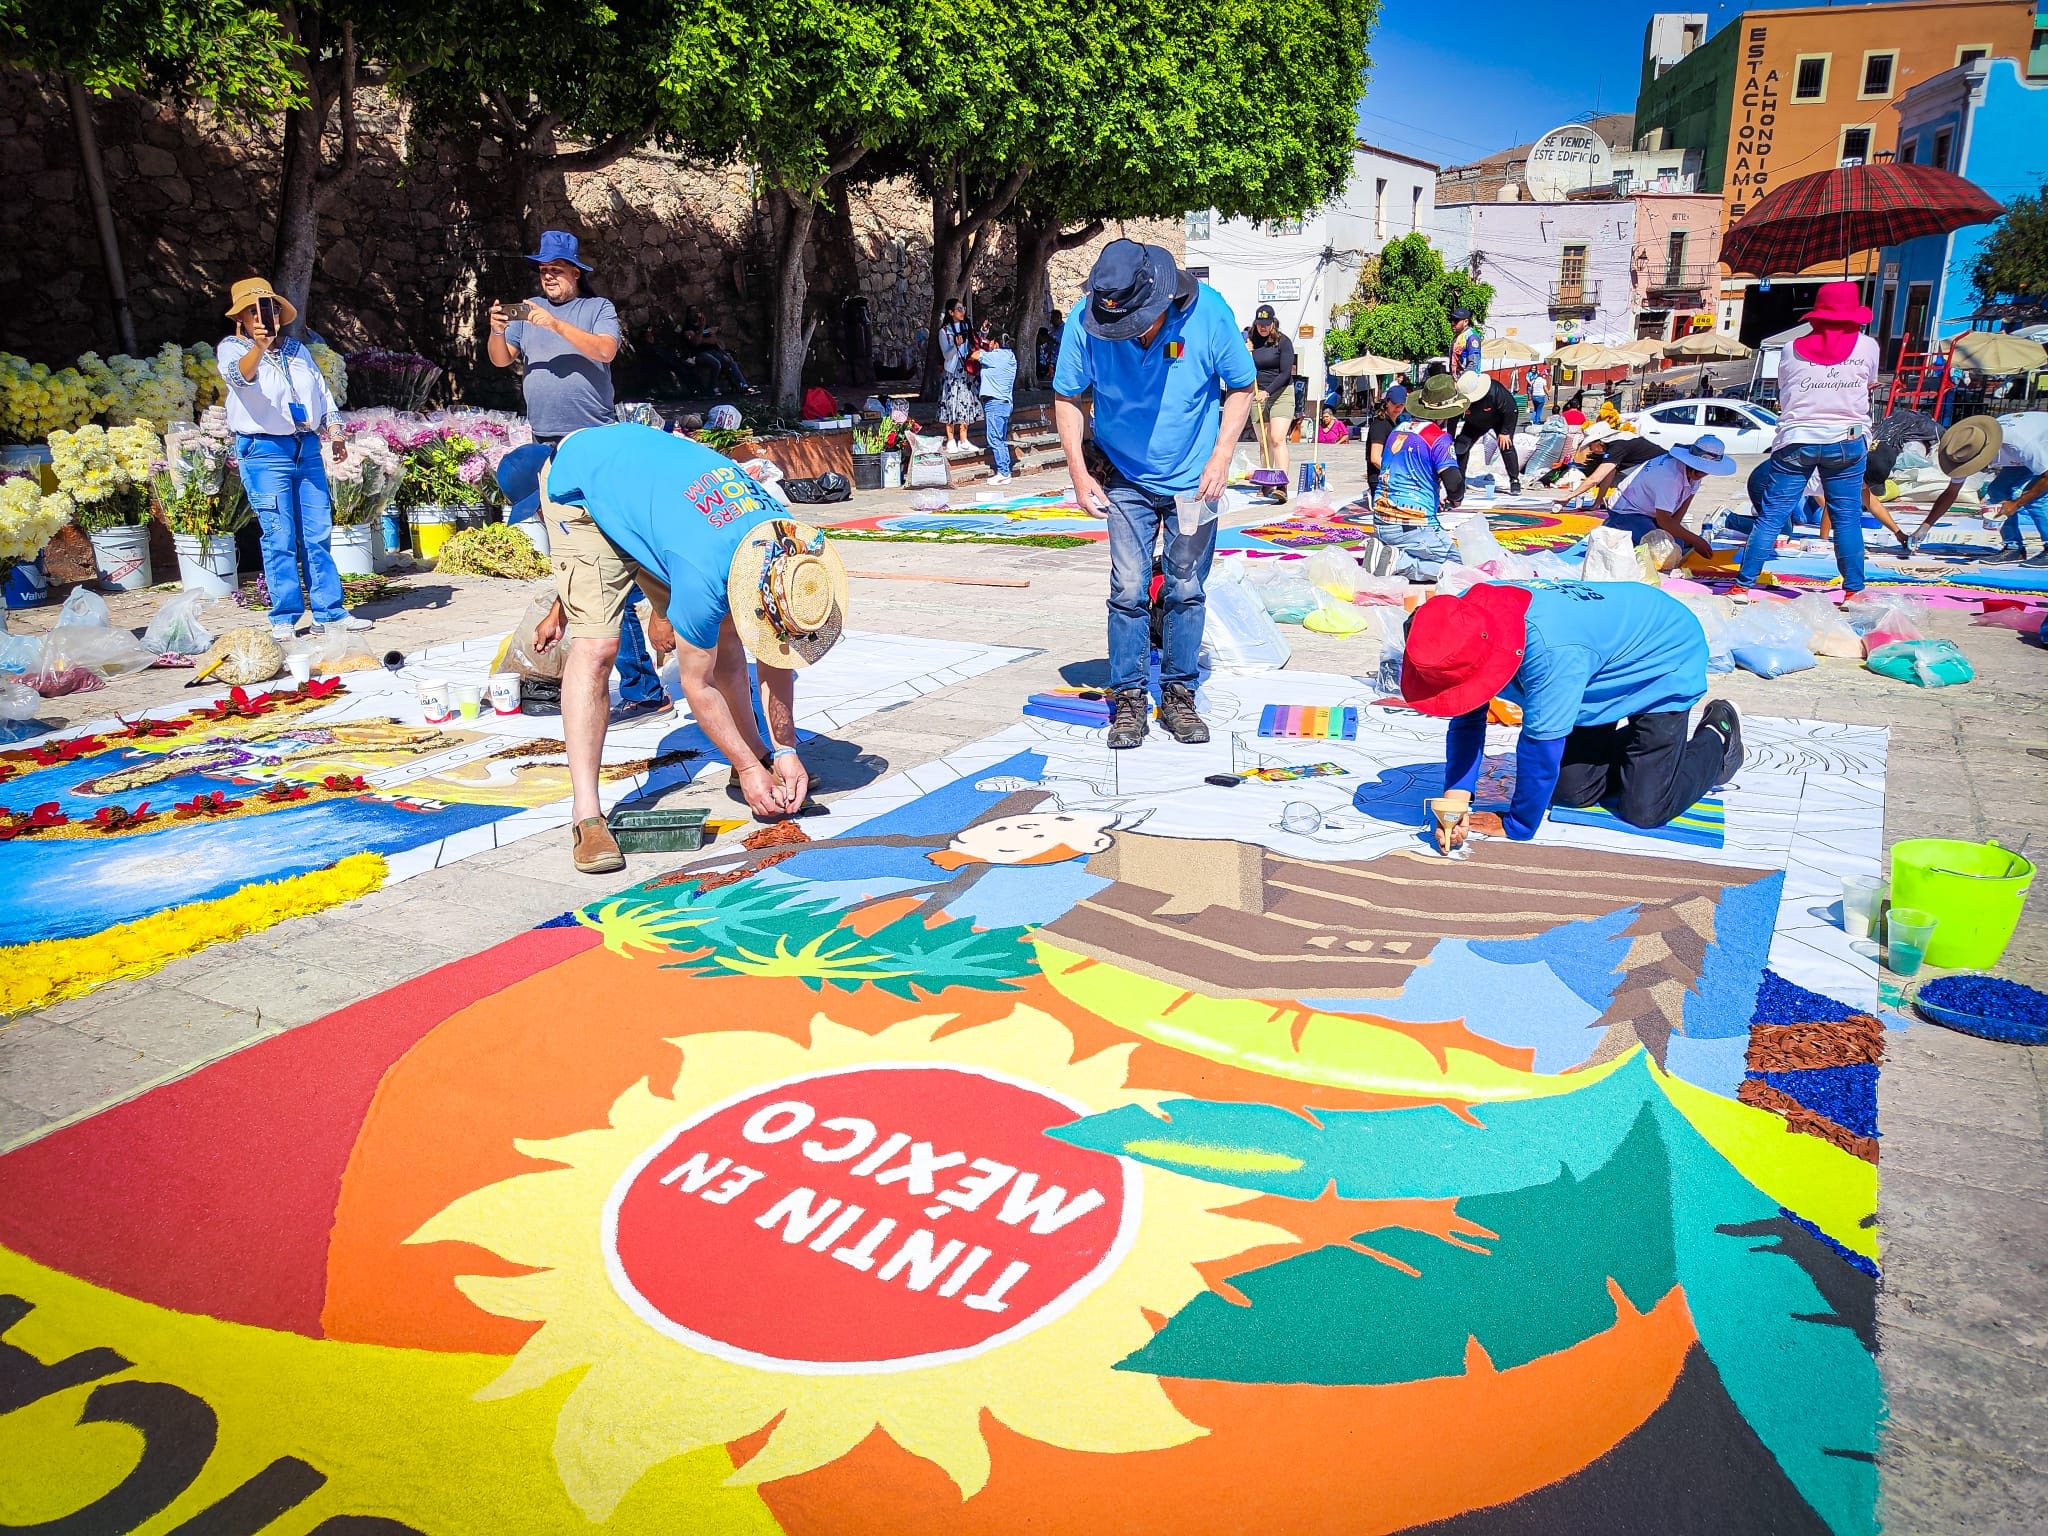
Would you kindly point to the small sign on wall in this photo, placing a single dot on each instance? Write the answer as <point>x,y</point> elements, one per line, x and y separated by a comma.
<point>1305,332</point>
<point>1279,290</point>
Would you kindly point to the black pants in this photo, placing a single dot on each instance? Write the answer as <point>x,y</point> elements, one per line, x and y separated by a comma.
<point>1508,456</point>
<point>1644,769</point>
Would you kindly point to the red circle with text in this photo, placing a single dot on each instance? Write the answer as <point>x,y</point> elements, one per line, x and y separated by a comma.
<point>875,1217</point>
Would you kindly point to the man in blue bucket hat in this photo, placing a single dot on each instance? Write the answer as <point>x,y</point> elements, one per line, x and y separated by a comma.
<point>1172,382</point>
<point>1659,494</point>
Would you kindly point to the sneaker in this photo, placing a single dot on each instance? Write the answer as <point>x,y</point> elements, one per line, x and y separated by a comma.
<point>2006,556</point>
<point>997,480</point>
<point>1127,719</point>
<point>1720,714</point>
<point>638,709</point>
<point>347,622</point>
<point>2036,560</point>
<point>1378,559</point>
<point>593,847</point>
<point>1177,714</point>
<point>284,634</point>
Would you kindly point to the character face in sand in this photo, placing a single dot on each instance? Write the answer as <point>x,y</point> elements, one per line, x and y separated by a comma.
<point>1050,837</point>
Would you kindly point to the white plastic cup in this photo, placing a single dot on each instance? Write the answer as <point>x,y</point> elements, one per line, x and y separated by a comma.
<point>469,698</point>
<point>300,665</point>
<point>1862,900</point>
<point>1190,512</point>
<point>504,693</point>
<point>434,705</point>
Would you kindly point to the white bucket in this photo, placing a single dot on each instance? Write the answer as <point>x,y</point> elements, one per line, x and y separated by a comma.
<point>123,557</point>
<point>207,563</point>
<point>892,469</point>
<point>503,692</point>
<point>536,531</point>
<point>354,549</point>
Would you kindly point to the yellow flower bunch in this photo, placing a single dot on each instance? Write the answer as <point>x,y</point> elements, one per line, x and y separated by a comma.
<point>35,401</point>
<point>95,463</point>
<point>153,391</point>
<point>28,518</point>
<point>333,370</point>
<point>208,388</point>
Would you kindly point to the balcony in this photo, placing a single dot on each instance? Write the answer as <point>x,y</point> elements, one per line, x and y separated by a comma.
<point>1574,298</point>
<point>1675,287</point>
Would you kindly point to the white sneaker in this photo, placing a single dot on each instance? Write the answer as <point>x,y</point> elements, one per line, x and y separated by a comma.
<point>284,634</point>
<point>347,622</point>
<point>1378,558</point>
<point>998,480</point>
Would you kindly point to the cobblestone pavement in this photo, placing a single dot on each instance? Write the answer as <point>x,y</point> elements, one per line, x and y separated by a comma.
<point>1964,1309</point>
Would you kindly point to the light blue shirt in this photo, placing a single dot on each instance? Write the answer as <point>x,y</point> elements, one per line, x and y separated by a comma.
<point>1662,485</point>
<point>1158,408</point>
<point>998,373</point>
<point>1602,651</point>
<point>262,406</point>
<point>673,507</point>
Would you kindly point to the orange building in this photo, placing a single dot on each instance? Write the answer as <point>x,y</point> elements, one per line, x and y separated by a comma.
<point>1774,95</point>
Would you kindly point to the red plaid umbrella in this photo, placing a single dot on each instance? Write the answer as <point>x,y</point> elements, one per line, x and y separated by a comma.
<point>1832,214</point>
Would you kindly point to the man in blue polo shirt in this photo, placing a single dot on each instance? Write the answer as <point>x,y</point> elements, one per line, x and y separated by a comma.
<point>1606,674</point>
<point>1172,380</point>
<point>730,575</point>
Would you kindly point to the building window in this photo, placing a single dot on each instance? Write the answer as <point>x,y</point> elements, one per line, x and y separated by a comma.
<point>1938,156</point>
<point>1855,146</point>
<point>1909,152</point>
<point>1970,53</point>
<point>1414,209</point>
<point>1379,209</point>
<point>1877,74</point>
<point>1276,228</point>
<point>1674,259</point>
<point>2037,56</point>
<point>1571,273</point>
<point>1810,77</point>
<point>1198,225</point>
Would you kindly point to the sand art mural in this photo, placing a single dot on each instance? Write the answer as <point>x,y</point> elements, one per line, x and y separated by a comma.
<point>1062,1144</point>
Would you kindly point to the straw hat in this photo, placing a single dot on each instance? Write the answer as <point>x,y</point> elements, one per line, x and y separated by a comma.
<point>786,590</point>
<point>245,294</point>
<point>1969,445</point>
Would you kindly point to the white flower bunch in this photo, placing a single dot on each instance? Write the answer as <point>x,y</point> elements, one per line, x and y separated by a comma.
<point>152,391</point>
<point>28,518</point>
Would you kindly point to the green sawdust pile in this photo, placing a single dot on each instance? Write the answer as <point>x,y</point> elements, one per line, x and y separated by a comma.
<point>492,550</point>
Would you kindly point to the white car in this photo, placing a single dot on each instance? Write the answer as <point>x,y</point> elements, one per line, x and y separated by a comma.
<point>1742,427</point>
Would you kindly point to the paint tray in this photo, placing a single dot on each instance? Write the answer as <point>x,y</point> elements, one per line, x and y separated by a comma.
<point>653,829</point>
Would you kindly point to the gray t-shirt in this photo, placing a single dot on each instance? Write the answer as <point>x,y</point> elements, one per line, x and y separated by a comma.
<point>565,390</point>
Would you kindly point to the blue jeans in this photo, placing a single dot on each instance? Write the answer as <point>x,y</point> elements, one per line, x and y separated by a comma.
<point>639,683</point>
<point>1424,550</point>
<point>287,486</point>
<point>1536,404</point>
<point>1777,484</point>
<point>2008,484</point>
<point>995,414</point>
<point>1138,520</point>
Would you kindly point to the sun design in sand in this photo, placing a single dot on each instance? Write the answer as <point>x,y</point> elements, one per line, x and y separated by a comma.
<point>868,1231</point>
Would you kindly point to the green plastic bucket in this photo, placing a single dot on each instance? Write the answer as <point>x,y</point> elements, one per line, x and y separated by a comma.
<point>1974,890</point>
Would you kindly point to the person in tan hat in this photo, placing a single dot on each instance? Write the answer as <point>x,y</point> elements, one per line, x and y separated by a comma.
<point>729,573</point>
<point>279,408</point>
<point>1966,448</point>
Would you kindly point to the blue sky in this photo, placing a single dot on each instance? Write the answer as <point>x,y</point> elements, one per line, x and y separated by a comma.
<point>1453,80</point>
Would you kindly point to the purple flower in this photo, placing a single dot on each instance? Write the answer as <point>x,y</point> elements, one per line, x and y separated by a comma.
<point>473,469</point>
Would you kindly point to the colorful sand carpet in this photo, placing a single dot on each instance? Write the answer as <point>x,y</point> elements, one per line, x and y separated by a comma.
<point>155,821</point>
<point>1066,1145</point>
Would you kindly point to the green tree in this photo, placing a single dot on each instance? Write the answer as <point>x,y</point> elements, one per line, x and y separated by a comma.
<point>1403,305</point>
<point>2013,263</point>
<point>235,55</point>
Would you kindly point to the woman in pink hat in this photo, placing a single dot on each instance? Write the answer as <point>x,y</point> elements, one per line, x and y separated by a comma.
<point>1824,384</point>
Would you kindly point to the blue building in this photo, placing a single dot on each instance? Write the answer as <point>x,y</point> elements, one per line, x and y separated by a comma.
<point>1988,123</point>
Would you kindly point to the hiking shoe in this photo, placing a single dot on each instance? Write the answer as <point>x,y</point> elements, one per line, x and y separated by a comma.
<point>2036,560</point>
<point>1177,714</point>
<point>2006,556</point>
<point>1720,714</point>
<point>1127,718</point>
<point>593,847</point>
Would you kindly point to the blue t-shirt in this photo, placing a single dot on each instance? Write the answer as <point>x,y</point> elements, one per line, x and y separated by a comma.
<point>1410,495</point>
<point>998,373</point>
<point>565,390</point>
<point>1158,408</point>
<point>1601,651</point>
<point>672,505</point>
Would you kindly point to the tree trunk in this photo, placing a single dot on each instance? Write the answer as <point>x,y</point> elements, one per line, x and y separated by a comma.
<point>307,183</point>
<point>1038,241</point>
<point>790,218</point>
<point>95,170</point>
<point>959,239</point>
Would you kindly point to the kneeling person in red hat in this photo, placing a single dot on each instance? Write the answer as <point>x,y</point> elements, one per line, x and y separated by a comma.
<point>1606,674</point>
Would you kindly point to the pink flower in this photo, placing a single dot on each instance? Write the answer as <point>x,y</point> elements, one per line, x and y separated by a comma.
<point>473,469</point>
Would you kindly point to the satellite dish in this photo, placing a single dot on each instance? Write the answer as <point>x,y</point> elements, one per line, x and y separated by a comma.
<point>1565,160</point>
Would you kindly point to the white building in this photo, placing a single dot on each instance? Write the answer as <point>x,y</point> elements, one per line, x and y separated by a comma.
<point>1561,272</point>
<point>1305,267</point>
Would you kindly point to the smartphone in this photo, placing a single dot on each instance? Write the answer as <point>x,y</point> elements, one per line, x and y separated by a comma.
<point>266,313</point>
<point>515,309</point>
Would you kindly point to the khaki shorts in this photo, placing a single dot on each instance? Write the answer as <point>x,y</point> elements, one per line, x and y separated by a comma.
<point>1280,405</point>
<point>592,574</point>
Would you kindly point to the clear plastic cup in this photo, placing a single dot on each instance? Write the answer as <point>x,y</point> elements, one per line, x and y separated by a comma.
<point>1906,932</point>
<point>1191,511</point>
<point>1862,902</point>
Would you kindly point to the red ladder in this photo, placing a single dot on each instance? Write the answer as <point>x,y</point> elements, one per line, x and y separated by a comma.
<point>1921,382</point>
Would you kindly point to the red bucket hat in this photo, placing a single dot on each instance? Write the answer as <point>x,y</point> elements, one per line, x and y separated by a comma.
<point>1838,304</point>
<point>1464,650</point>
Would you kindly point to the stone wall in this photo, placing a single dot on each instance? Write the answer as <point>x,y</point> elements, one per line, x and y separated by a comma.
<point>412,252</point>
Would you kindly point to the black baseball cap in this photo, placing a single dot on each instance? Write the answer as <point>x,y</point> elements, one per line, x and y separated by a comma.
<point>1129,287</point>
<point>1461,313</point>
<point>1264,315</point>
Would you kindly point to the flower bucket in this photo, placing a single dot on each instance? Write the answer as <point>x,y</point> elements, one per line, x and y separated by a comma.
<point>354,549</point>
<point>123,557</point>
<point>431,528</point>
<point>867,471</point>
<point>27,586</point>
<point>892,469</point>
<point>389,541</point>
<point>207,563</point>
<point>536,531</point>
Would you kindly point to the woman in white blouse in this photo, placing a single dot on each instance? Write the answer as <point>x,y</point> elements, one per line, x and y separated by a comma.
<point>279,407</point>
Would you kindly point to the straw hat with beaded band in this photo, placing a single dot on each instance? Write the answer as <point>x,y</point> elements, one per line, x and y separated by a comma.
<point>786,589</point>
<point>245,294</point>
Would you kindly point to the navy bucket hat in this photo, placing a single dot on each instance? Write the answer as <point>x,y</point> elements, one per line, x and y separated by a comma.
<point>1129,287</point>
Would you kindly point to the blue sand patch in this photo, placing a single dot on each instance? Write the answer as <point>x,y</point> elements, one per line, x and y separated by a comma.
<point>1585,955</point>
<point>1848,1256</point>
<point>1723,1001</point>
<point>1717,1065</point>
<point>1779,1001</point>
<point>566,920</point>
<point>1846,1095</point>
